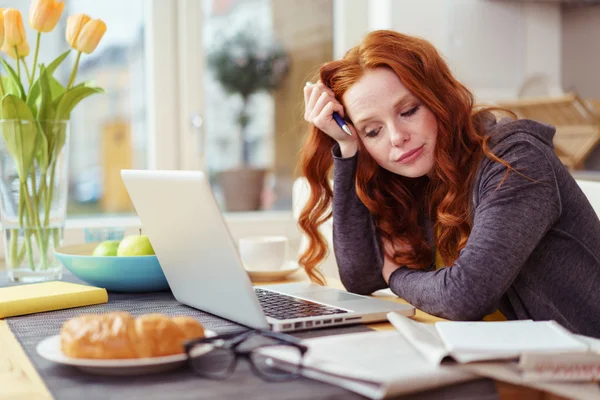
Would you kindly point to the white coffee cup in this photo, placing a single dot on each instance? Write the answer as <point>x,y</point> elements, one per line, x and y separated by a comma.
<point>263,252</point>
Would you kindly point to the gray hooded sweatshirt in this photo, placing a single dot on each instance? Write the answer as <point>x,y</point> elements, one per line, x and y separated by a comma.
<point>533,252</point>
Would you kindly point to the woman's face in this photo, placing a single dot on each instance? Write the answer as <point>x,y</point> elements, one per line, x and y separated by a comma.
<point>396,128</point>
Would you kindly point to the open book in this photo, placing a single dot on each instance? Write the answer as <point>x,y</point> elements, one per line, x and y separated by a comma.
<point>384,364</point>
<point>544,350</point>
<point>373,364</point>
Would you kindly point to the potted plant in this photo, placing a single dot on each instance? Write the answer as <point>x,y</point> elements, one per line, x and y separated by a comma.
<point>35,109</point>
<point>244,65</point>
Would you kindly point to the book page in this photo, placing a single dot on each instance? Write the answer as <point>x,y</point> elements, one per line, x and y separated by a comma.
<point>508,338</point>
<point>423,337</point>
<point>593,343</point>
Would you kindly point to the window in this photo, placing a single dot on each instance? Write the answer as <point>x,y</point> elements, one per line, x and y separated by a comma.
<point>253,135</point>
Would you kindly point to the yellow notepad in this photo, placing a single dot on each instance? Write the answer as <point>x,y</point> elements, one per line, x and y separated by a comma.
<point>48,296</point>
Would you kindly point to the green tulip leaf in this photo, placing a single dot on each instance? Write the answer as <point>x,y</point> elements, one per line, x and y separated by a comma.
<point>71,98</point>
<point>56,63</point>
<point>33,102</point>
<point>56,90</point>
<point>55,87</point>
<point>91,83</point>
<point>15,78</point>
<point>59,137</point>
<point>45,110</point>
<point>56,134</point>
<point>15,108</point>
<point>20,135</point>
<point>34,93</point>
<point>10,87</point>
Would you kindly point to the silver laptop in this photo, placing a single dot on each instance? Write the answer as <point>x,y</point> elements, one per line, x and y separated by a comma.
<point>201,263</point>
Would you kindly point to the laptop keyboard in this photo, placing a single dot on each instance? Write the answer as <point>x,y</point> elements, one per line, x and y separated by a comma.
<point>281,306</point>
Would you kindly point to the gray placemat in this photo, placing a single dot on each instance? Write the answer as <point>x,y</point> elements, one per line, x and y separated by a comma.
<point>69,383</point>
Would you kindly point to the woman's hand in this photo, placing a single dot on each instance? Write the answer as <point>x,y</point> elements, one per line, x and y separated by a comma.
<point>319,105</point>
<point>388,269</point>
<point>389,266</point>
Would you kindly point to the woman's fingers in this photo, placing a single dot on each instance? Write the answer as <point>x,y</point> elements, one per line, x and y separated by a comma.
<point>325,119</point>
<point>322,101</point>
<point>308,89</point>
<point>312,100</point>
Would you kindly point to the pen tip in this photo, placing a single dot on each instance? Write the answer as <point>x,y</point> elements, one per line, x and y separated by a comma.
<point>347,130</point>
<point>308,83</point>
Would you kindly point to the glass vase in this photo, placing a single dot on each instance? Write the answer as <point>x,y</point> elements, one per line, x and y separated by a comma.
<point>33,196</point>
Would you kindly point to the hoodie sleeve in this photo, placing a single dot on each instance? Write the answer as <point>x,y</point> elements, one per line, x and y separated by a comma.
<point>357,250</point>
<point>509,222</point>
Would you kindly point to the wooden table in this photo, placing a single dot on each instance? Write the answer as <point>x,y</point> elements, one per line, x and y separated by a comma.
<point>20,380</point>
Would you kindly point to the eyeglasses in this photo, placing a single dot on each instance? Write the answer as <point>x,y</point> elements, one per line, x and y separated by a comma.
<point>216,357</point>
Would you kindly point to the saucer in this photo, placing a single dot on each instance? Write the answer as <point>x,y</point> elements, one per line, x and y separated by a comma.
<point>288,268</point>
<point>50,349</point>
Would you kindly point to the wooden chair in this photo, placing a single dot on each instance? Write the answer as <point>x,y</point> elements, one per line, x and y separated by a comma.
<point>577,124</point>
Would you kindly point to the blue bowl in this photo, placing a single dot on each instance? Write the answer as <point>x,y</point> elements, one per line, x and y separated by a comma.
<point>117,274</point>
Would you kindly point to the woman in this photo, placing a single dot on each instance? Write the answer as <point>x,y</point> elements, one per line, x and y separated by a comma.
<point>456,212</point>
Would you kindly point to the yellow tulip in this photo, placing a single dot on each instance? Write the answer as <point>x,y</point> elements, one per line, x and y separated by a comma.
<point>75,24</point>
<point>22,49</point>
<point>44,14</point>
<point>14,30</point>
<point>90,36</point>
<point>1,26</point>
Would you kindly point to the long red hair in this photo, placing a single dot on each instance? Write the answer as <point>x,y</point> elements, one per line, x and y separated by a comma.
<point>399,204</point>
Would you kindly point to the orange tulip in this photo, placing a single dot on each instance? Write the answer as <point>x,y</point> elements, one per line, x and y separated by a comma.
<point>22,49</point>
<point>90,36</point>
<point>75,24</point>
<point>44,14</point>
<point>14,30</point>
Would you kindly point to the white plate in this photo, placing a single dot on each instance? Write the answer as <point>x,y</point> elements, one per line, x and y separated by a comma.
<point>290,267</point>
<point>50,349</point>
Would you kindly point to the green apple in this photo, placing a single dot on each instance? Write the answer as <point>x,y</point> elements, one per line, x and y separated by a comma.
<point>135,245</point>
<point>107,248</point>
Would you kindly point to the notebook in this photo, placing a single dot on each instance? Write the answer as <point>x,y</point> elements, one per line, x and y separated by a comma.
<point>567,367</point>
<point>465,342</point>
<point>48,296</point>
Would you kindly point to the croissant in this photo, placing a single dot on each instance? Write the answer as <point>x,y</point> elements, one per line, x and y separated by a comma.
<point>120,335</point>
